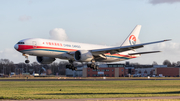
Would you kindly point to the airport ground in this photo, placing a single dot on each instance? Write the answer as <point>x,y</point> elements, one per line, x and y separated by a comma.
<point>90,89</point>
<point>63,78</point>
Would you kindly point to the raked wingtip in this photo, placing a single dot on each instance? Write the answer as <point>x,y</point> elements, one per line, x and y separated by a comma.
<point>168,40</point>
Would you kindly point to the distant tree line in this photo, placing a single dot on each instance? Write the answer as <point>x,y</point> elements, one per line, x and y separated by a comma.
<point>173,64</point>
<point>7,66</point>
<point>165,62</point>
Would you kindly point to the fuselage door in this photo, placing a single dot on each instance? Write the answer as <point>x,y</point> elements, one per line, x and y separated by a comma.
<point>34,44</point>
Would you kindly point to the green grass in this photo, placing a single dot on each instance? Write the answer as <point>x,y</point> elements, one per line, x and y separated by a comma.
<point>88,89</point>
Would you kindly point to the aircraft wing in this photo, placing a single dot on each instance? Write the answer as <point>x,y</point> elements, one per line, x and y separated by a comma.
<point>114,50</point>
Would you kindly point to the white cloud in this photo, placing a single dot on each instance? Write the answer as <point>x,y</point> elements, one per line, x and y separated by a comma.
<point>170,48</point>
<point>24,18</point>
<point>169,51</point>
<point>154,2</point>
<point>58,34</point>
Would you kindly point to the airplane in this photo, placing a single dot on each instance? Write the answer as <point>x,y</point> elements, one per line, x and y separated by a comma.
<point>48,50</point>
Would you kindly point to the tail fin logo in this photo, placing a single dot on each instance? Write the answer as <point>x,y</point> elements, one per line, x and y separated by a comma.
<point>132,40</point>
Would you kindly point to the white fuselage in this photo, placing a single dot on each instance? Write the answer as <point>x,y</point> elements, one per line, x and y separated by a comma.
<point>62,49</point>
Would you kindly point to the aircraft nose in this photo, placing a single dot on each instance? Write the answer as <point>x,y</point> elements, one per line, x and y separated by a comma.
<point>16,46</point>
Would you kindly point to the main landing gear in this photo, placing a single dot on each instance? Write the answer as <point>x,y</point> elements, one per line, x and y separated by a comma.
<point>26,56</point>
<point>93,65</point>
<point>71,66</point>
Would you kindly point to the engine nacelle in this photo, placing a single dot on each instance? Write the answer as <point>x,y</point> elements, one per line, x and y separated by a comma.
<point>45,60</point>
<point>83,56</point>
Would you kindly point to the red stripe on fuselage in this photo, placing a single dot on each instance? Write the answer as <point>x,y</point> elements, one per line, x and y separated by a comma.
<point>28,47</point>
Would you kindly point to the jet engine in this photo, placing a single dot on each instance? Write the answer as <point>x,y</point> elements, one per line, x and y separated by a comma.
<point>83,56</point>
<point>45,60</point>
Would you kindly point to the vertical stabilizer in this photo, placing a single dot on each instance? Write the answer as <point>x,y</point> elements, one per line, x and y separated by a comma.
<point>133,37</point>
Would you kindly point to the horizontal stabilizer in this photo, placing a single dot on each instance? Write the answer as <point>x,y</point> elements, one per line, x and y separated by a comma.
<point>144,52</point>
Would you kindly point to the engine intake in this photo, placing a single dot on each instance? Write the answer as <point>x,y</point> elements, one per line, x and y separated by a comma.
<point>45,60</point>
<point>83,56</point>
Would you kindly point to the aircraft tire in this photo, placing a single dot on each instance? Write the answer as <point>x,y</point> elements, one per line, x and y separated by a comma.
<point>97,67</point>
<point>89,65</point>
<point>27,61</point>
<point>73,68</point>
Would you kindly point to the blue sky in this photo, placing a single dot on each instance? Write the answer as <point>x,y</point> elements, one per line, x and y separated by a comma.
<point>92,21</point>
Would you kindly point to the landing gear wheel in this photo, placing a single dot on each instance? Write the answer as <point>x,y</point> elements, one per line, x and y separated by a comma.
<point>71,61</point>
<point>88,65</point>
<point>27,61</point>
<point>70,66</point>
<point>93,66</point>
<point>73,68</point>
<point>97,67</point>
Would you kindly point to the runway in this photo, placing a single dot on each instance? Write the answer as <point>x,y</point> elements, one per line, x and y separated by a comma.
<point>106,99</point>
<point>79,79</point>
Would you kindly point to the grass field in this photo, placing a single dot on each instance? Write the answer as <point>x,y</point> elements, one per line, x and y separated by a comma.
<point>88,89</point>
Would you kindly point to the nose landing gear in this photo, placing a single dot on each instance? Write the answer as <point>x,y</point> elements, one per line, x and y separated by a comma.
<point>26,56</point>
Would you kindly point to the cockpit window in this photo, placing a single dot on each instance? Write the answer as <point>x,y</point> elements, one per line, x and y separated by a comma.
<point>20,43</point>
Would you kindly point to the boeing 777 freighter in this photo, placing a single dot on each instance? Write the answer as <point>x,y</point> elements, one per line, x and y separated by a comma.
<point>47,50</point>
